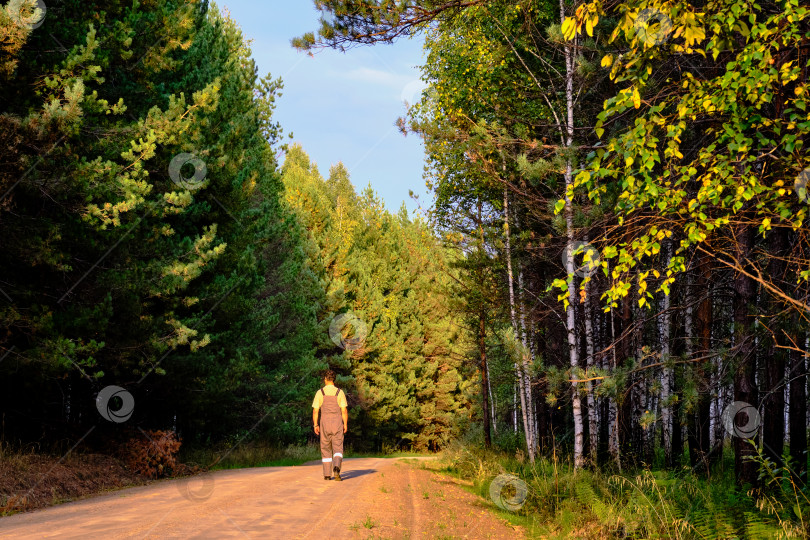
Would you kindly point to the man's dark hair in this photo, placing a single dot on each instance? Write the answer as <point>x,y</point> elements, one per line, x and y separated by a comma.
<point>329,375</point>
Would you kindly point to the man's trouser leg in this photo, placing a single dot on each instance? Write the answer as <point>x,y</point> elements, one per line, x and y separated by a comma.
<point>326,453</point>
<point>337,449</point>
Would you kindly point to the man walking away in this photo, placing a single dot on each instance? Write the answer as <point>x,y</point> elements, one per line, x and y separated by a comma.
<point>331,402</point>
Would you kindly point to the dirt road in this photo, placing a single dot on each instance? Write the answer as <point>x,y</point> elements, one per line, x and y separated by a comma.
<point>379,498</point>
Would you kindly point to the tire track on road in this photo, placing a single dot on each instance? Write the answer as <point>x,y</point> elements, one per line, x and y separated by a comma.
<point>416,520</point>
<point>353,489</point>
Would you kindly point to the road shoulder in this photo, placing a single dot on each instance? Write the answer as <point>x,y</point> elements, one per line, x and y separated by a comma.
<point>406,500</point>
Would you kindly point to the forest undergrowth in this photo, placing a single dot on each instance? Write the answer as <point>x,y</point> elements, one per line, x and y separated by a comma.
<point>648,502</point>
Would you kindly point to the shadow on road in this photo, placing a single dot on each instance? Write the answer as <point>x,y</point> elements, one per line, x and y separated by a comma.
<point>348,475</point>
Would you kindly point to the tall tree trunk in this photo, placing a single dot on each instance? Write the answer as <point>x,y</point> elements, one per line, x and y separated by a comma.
<point>677,426</point>
<point>482,351</point>
<point>569,260</point>
<point>773,425</point>
<point>716,391</point>
<point>572,339</point>
<point>641,394</point>
<point>613,407</point>
<point>542,417</point>
<point>601,361</point>
<point>589,362</point>
<point>521,366</point>
<point>798,413</point>
<point>625,404</point>
<point>528,344</point>
<point>745,389</point>
<point>492,402</point>
<point>689,349</point>
<point>482,343</point>
<point>798,402</point>
<point>699,432</point>
<point>666,370</point>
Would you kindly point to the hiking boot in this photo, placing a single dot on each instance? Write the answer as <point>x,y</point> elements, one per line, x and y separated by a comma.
<point>327,477</point>
<point>337,475</point>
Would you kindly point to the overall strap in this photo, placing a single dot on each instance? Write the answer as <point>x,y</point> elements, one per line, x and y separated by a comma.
<point>335,396</point>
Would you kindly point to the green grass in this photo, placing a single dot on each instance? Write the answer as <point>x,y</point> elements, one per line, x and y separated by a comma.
<point>266,455</point>
<point>637,504</point>
<point>252,455</point>
<point>388,454</point>
<point>369,523</point>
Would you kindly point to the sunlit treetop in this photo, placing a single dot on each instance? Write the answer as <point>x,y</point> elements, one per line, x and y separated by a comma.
<point>346,23</point>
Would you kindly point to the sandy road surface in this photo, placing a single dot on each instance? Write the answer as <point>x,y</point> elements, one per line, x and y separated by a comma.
<point>380,498</point>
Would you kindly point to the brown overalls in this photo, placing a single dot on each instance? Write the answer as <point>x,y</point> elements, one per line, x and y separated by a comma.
<point>331,427</point>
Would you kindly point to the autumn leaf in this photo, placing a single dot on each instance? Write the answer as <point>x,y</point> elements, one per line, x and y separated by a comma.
<point>569,28</point>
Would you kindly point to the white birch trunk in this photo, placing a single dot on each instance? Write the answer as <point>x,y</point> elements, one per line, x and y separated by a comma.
<point>527,343</point>
<point>589,362</point>
<point>666,370</point>
<point>569,259</point>
<point>520,368</point>
<point>689,329</point>
<point>571,331</point>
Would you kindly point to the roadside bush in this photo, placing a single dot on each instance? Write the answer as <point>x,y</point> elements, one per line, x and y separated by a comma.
<point>153,454</point>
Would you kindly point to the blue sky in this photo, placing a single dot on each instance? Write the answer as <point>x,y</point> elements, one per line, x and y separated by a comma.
<point>341,106</point>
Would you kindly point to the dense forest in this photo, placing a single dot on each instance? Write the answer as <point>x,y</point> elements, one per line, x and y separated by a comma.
<point>628,184</point>
<point>152,242</point>
<point>614,270</point>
